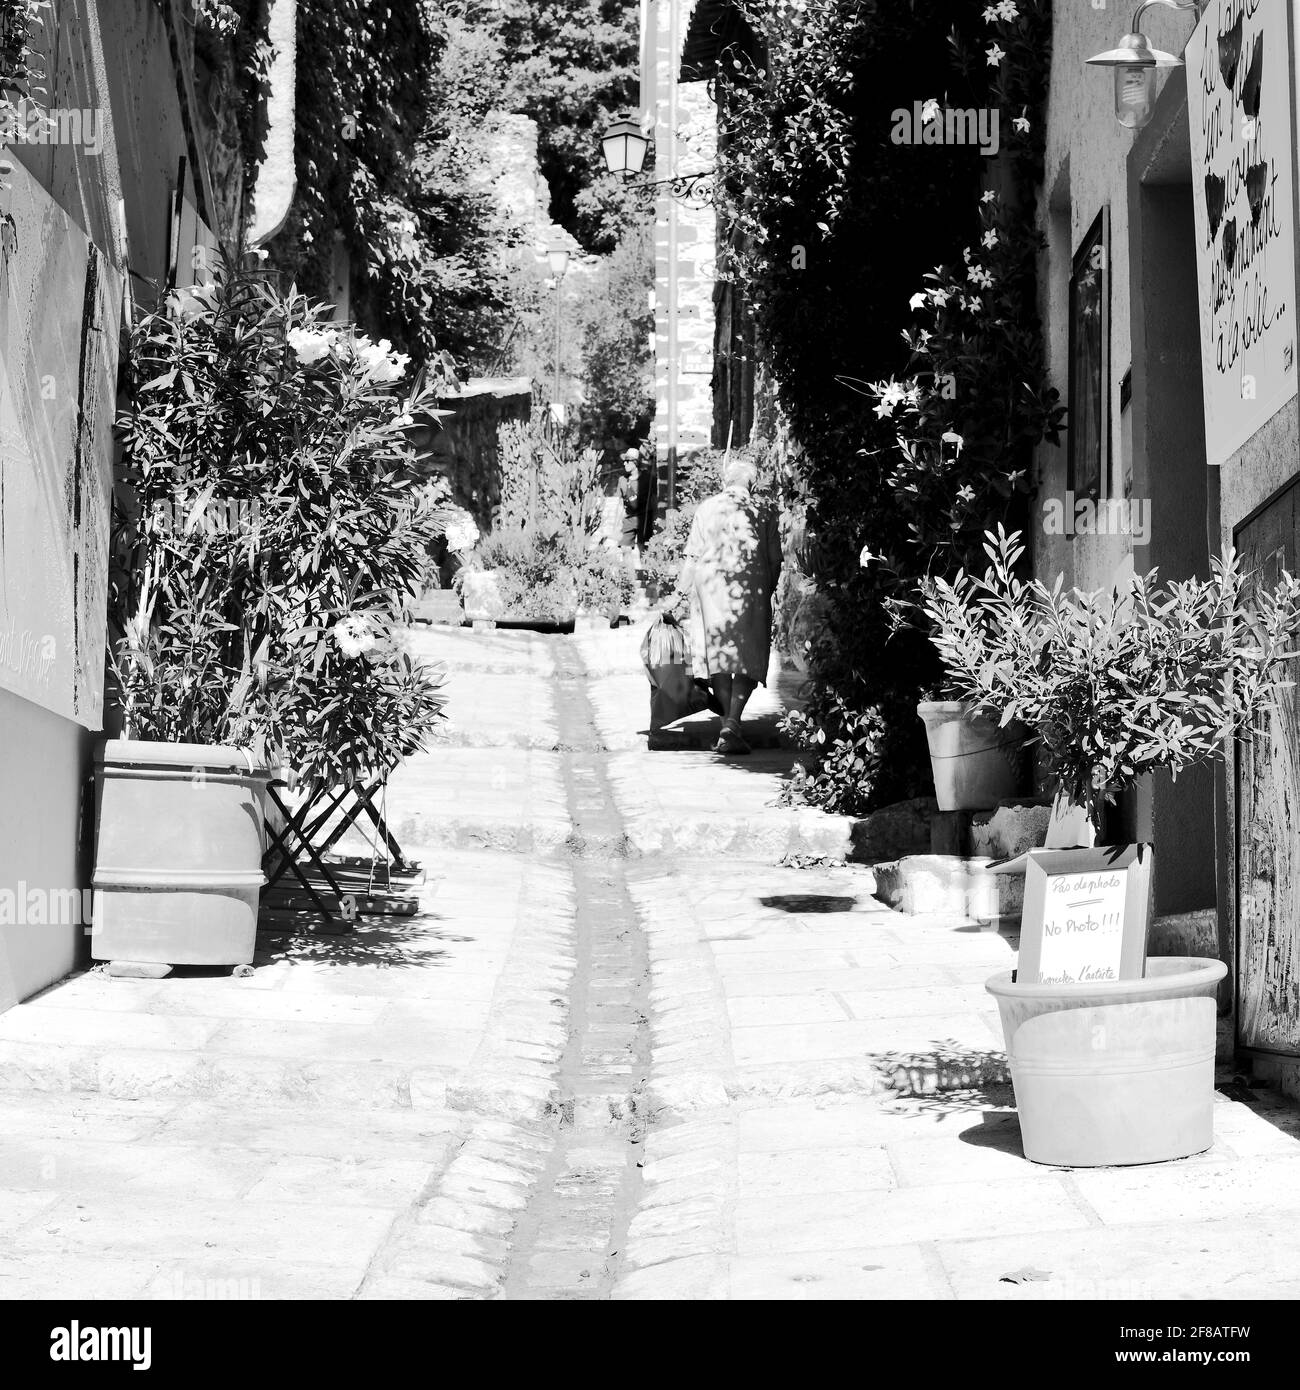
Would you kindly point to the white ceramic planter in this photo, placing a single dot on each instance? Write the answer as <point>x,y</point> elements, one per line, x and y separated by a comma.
<point>1114,1072</point>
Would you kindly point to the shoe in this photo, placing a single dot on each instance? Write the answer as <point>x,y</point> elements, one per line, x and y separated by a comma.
<point>731,743</point>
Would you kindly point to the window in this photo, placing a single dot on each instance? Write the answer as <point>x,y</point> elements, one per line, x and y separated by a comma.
<point>1089,418</point>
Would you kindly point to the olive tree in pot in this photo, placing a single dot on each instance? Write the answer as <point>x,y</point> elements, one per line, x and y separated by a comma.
<point>269,534</point>
<point>1115,685</point>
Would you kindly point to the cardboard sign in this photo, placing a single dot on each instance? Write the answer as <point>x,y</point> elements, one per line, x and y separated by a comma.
<point>1085,915</point>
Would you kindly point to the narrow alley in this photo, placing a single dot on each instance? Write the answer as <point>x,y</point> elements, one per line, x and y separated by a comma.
<point>650,1037</point>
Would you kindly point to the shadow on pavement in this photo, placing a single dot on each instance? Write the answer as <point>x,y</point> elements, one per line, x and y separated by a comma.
<point>810,902</point>
<point>391,943</point>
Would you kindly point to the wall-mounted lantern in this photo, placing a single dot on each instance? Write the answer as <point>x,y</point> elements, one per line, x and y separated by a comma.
<point>1135,63</point>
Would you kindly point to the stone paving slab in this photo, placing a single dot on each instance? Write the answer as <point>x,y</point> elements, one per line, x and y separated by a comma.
<point>1205,1257</point>
<point>505,711</point>
<point>283,1135</point>
<point>833,1120</point>
<point>695,803</point>
<point>492,652</point>
<point>508,799</point>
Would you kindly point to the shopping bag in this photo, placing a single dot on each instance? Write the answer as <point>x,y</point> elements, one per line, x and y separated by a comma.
<point>666,655</point>
<point>665,644</point>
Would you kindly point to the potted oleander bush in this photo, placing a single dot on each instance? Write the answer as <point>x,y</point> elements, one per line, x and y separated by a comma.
<point>269,535</point>
<point>1114,684</point>
<point>544,559</point>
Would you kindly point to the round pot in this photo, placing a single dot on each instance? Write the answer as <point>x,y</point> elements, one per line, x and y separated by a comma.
<point>480,595</point>
<point>975,762</point>
<point>178,853</point>
<point>1116,1072</point>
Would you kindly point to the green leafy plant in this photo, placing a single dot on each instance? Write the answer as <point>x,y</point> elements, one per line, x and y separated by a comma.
<point>544,483</point>
<point>537,570</point>
<point>1116,684</point>
<point>830,215</point>
<point>269,532</point>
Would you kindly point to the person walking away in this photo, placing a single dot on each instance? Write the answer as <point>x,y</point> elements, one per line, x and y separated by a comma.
<point>646,498</point>
<point>628,492</point>
<point>731,565</point>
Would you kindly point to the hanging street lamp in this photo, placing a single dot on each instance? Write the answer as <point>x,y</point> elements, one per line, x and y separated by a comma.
<point>625,145</point>
<point>1135,63</point>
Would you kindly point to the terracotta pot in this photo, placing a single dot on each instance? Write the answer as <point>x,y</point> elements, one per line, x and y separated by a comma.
<point>178,853</point>
<point>481,595</point>
<point>975,763</point>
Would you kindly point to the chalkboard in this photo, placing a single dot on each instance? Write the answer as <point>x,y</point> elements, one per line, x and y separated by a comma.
<point>1085,915</point>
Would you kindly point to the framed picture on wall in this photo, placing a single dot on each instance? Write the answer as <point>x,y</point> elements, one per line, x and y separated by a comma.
<point>1089,417</point>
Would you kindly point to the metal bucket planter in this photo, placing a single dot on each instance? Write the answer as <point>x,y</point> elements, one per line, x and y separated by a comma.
<point>1115,1072</point>
<point>178,853</point>
<point>975,762</point>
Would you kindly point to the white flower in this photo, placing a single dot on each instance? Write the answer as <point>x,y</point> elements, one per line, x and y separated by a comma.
<point>979,276</point>
<point>989,196</point>
<point>1007,11</point>
<point>930,110</point>
<point>462,536</point>
<point>895,393</point>
<point>917,301</point>
<point>939,296</point>
<point>866,556</point>
<point>1021,122</point>
<point>974,304</point>
<point>310,345</point>
<point>354,635</point>
<point>378,361</point>
<point>952,437</point>
<point>991,15</point>
<point>993,56</point>
<point>990,238</point>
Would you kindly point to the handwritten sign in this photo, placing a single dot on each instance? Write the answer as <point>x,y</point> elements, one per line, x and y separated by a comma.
<point>1239,111</point>
<point>1085,915</point>
<point>1083,928</point>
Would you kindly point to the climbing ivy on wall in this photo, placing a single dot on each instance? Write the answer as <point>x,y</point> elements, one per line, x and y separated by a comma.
<point>380,167</point>
<point>916,402</point>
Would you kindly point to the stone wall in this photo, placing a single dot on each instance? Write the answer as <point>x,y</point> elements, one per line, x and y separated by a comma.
<point>466,450</point>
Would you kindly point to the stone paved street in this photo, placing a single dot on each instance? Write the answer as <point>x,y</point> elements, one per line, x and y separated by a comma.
<point>650,1037</point>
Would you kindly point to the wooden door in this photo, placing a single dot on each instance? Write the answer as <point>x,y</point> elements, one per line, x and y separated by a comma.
<point>1268,824</point>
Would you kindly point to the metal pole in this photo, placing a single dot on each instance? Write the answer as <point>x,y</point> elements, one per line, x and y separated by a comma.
<point>556,398</point>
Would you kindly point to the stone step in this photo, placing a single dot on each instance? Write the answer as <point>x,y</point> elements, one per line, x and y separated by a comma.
<point>949,884</point>
<point>764,838</point>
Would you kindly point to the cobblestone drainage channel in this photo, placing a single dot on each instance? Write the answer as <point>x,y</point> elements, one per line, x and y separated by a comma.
<point>569,1241</point>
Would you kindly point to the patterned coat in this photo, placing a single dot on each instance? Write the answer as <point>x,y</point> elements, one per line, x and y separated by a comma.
<point>733,560</point>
